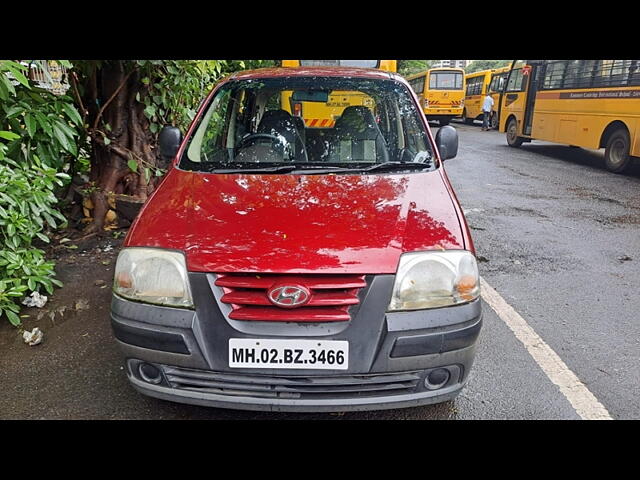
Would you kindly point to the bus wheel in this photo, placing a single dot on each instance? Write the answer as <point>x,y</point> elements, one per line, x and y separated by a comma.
<point>512,134</point>
<point>616,153</point>
<point>494,121</point>
<point>444,121</point>
<point>465,119</point>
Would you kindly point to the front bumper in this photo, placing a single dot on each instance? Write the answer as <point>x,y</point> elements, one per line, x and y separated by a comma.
<point>391,354</point>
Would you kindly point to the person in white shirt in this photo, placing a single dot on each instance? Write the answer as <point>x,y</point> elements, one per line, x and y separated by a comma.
<point>487,106</point>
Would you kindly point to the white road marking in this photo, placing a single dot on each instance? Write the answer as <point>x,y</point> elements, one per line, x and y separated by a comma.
<point>583,401</point>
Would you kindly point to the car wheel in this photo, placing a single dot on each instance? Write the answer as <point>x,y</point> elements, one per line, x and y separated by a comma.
<point>444,121</point>
<point>512,134</point>
<point>616,153</point>
<point>465,119</point>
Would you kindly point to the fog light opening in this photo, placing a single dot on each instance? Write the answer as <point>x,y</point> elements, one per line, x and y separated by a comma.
<point>437,378</point>
<point>150,373</point>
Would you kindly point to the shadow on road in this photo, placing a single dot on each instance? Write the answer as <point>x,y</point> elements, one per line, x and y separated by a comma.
<point>580,156</point>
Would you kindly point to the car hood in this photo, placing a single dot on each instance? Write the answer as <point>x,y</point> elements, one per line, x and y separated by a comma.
<point>298,223</point>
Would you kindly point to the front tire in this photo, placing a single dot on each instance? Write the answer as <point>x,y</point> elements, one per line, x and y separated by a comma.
<point>494,121</point>
<point>616,153</point>
<point>444,121</point>
<point>512,134</point>
<point>465,119</point>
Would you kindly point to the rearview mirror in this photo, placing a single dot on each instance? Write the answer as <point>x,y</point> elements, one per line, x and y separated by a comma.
<point>169,141</point>
<point>447,142</point>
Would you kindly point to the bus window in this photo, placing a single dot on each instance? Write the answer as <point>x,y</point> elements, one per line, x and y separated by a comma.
<point>417,85</point>
<point>443,80</point>
<point>554,75</point>
<point>515,81</point>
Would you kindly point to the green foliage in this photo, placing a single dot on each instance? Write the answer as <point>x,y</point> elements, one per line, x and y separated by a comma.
<point>38,139</point>
<point>409,67</point>
<point>478,65</point>
<point>41,123</point>
<point>26,212</point>
<point>175,88</point>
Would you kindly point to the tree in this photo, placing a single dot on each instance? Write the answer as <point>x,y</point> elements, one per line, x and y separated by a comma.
<point>478,65</point>
<point>409,67</point>
<point>124,105</point>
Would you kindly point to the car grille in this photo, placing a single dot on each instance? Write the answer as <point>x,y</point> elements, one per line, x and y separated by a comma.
<point>283,386</point>
<point>330,299</point>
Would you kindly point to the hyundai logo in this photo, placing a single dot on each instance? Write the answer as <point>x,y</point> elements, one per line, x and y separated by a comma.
<point>288,296</point>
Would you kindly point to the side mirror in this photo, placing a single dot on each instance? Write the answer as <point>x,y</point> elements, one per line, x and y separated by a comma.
<point>169,141</point>
<point>447,141</point>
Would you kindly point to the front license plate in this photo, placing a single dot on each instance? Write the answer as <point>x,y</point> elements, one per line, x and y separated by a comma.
<point>308,354</point>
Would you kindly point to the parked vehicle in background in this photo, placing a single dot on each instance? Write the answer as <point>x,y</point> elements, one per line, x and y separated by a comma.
<point>273,271</point>
<point>324,115</point>
<point>441,92</point>
<point>496,89</point>
<point>477,85</point>
<point>584,103</point>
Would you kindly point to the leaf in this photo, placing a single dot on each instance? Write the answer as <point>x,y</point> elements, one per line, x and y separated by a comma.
<point>7,84</point>
<point>150,111</point>
<point>72,113</point>
<point>4,91</point>
<point>43,237</point>
<point>17,74</point>
<point>44,123</point>
<point>61,137</point>
<point>8,135</point>
<point>49,219</point>
<point>13,318</point>
<point>133,165</point>
<point>30,122</point>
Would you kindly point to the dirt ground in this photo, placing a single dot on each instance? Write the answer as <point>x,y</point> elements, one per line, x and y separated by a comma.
<point>71,320</point>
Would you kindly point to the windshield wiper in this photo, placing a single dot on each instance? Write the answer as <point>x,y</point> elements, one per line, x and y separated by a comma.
<point>380,167</point>
<point>278,168</point>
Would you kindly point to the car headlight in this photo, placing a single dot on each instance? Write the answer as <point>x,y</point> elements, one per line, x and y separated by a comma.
<point>153,275</point>
<point>435,279</point>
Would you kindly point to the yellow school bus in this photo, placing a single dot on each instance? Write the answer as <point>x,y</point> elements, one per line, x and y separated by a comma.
<point>324,115</point>
<point>387,65</point>
<point>441,93</point>
<point>475,91</point>
<point>584,103</point>
<point>478,84</point>
<point>496,87</point>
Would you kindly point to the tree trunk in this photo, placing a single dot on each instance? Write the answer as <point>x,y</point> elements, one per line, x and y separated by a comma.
<point>119,133</point>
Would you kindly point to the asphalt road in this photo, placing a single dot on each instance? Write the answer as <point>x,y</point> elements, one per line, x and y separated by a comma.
<point>556,235</point>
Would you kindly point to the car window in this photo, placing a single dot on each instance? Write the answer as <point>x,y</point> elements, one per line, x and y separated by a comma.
<point>311,120</point>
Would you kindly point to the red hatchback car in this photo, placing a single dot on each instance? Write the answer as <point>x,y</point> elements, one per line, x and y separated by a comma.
<point>285,267</point>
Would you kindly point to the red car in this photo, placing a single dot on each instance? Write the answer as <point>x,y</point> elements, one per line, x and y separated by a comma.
<point>286,267</point>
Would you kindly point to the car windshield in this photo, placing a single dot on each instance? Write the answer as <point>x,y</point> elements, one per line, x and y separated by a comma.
<point>309,122</point>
